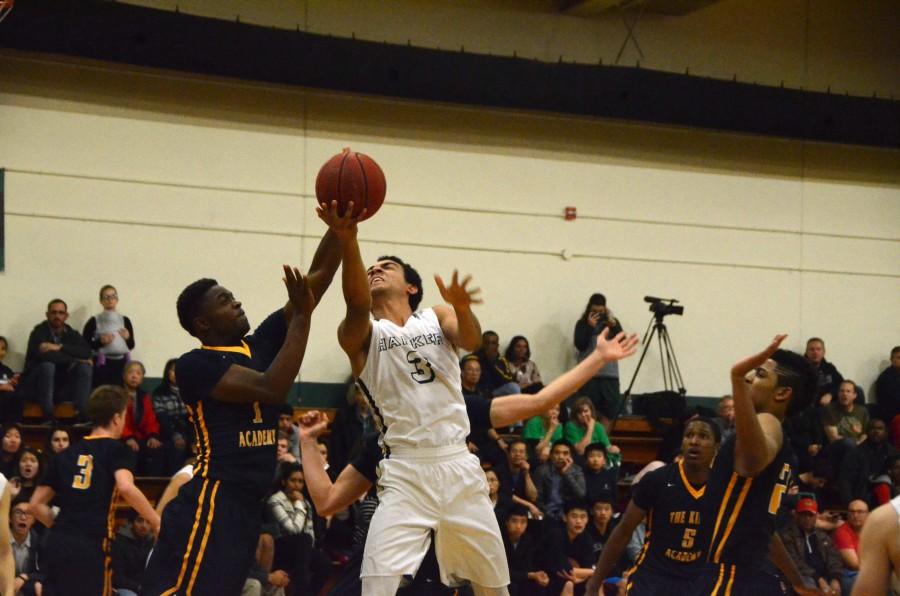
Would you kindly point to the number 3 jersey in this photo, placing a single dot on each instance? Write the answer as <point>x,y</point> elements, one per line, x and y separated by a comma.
<point>412,382</point>
<point>84,480</point>
<point>741,511</point>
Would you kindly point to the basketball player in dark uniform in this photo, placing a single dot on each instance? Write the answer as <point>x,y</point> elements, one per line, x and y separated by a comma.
<point>670,499</point>
<point>752,473</point>
<point>86,479</point>
<point>233,386</point>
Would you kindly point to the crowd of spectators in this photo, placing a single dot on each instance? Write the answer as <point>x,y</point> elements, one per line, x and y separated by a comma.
<point>557,481</point>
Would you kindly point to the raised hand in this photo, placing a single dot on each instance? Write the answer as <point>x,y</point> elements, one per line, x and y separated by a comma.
<point>299,292</point>
<point>617,348</point>
<point>458,295</point>
<point>343,226</point>
<point>312,425</point>
<point>755,361</point>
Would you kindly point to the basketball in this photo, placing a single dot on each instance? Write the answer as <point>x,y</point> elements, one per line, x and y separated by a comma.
<point>351,176</point>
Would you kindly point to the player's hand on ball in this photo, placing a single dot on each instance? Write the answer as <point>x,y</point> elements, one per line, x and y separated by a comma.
<point>312,425</point>
<point>344,226</point>
<point>457,294</point>
<point>617,348</point>
<point>299,292</point>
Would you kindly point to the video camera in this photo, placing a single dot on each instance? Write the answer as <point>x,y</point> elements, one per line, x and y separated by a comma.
<point>661,307</point>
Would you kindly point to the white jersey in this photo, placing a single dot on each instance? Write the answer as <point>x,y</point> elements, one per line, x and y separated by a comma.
<point>412,380</point>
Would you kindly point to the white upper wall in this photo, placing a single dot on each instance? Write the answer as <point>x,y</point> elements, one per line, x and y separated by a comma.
<point>147,181</point>
<point>849,47</point>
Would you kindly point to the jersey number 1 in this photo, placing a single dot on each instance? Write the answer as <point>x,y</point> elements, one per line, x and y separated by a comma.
<point>82,480</point>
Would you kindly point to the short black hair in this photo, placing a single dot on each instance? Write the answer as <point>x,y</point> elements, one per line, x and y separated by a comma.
<point>285,470</point>
<point>57,301</point>
<point>189,302</point>
<point>519,510</point>
<point>594,447</point>
<point>894,351</point>
<point>411,276</point>
<point>5,343</point>
<point>516,441</point>
<point>604,496</point>
<point>561,442</point>
<point>712,424</point>
<point>105,402</point>
<point>575,504</point>
<point>795,371</point>
<point>286,410</point>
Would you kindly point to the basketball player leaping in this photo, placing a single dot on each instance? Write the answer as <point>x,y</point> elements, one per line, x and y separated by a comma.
<point>405,361</point>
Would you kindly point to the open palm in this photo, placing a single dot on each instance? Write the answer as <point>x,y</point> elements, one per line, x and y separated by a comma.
<point>617,348</point>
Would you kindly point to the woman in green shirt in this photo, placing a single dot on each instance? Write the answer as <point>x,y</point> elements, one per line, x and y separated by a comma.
<point>542,431</point>
<point>582,429</point>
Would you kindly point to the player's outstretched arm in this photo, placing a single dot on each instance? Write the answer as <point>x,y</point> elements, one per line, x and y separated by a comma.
<point>510,409</point>
<point>329,498</point>
<point>356,328</point>
<point>879,545</point>
<point>240,384</point>
<point>323,267</point>
<point>134,497</point>
<point>614,548</point>
<point>459,324</point>
<point>38,507</point>
<point>758,437</point>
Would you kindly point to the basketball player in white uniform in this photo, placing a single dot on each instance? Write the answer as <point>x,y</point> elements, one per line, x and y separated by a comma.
<point>879,552</point>
<point>406,363</point>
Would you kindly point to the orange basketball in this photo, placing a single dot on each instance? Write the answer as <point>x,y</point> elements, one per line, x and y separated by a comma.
<point>351,176</point>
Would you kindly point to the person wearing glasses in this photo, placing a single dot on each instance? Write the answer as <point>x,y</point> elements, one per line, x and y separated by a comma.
<point>111,336</point>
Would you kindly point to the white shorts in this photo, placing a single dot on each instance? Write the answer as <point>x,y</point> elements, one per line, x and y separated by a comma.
<point>443,490</point>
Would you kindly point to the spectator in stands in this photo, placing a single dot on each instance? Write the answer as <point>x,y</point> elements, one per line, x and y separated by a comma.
<point>807,436</point>
<point>845,423</point>
<point>518,354</point>
<point>295,549</point>
<point>141,431</point>
<point>58,440</point>
<point>887,484</point>
<point>584,429</point>
<point>541,432</point>
<point>470,376</point>
<point>829,379</point>
<point>846,541</point>
<point>499,499</point>
<point>863,462</point>
<point>558,480</point>
<point>725,418</point>
<point>576,547</point>
<point>58,363</point>
<point>497,376</point>
<point>523,554</point>
<point>600,477</point>
<point>28,473</point>
<point>811,549</point>
<point>10,398</point>
<point>175,429</point>
<point>25,547</point>
<point>130,551</point>
<point>603,521</point>
<point>515,478</point>
<point>111,337</point>
<point>351,423</point>
<point>887,393</point>
<point>290,430</point>
<point>283,452</point>
<point>10,450</point>
<point>603,389</point>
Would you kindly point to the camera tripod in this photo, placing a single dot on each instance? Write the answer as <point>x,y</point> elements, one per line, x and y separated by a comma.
<point>671,372</point>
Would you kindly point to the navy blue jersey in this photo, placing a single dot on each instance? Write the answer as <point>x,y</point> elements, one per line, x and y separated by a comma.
<point>674,546</point>
<point>741,512</point>
<point>370,453</point>
<point>236,443</point>
<point>84,480</point>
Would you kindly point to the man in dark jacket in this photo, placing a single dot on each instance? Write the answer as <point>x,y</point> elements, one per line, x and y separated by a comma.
<point>863,462</point>
<point>522,549</point>
<point>58,360</point>
<point>812,550</point>
<point>130,550</point>
<point>497,376</point>
<point>887,388</point>
<point>829,379</point>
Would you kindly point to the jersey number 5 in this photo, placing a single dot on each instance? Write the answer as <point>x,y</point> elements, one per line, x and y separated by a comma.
<point>422,371</point>
<point>688,540</point>
<point>82,480</point>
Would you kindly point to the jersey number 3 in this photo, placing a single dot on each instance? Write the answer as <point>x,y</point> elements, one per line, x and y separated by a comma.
<point>82,480</point>
<point>422,371</point>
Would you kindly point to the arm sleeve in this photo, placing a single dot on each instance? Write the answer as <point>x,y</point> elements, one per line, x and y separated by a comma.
<point>533,429</point>
<point>268,338</point>
<point>198,372</point>
<point>882,493</point>
<point>90,333</point>
<point>130,341</point>
<point>50,475</point>
<point>646,491</point>
<point>123,458</point>
<point>149,421</point>
<point>575,479</point>
<point>75,346</point>
<point>479,411</point>
<point>600,435</point>
<point>582,335</point>
<point>289,519</point>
